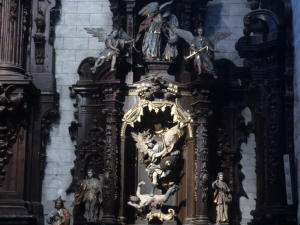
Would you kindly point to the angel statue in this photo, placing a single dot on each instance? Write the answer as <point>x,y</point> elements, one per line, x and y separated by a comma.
<point>152,26</point>
<point>202,49</point>
<point>170,51</point>
<point>116,45</point>
<point>159,156</point>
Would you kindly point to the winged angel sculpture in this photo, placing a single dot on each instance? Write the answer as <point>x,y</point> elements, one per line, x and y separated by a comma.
<point>202,49</point>
<point>152,25</point>
<point>158,153</point>
<point>116,45</point>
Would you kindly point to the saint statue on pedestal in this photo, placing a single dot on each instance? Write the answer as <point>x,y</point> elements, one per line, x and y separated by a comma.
<point>222,197</point>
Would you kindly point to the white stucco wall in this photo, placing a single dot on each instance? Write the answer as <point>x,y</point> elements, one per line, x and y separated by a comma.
<point>226,16</point>
<point>72,45</point>
<point>296,25</point>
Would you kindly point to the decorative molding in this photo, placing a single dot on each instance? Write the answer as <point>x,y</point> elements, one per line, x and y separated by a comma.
<point>39,41</point>
<point>201,153</point>
<point>110,174</point>
<point>134,114</point>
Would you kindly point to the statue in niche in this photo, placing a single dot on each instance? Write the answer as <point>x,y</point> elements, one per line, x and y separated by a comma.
<point>156,147</point>
<point>59,215</point>
<point>116,46</point>
<point>89,192</point>
<point>152,25</point>
<point>202,49</point>
<point>222,197</point>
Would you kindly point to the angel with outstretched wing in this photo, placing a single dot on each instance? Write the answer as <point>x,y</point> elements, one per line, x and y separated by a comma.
<point>202,49</point>
<point>170,51</point>
<point>159,152</point>
<point>115,46</point>
<point>152,26</point>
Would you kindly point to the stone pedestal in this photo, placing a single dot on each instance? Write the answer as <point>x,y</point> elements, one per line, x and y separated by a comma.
<point>160,68</point>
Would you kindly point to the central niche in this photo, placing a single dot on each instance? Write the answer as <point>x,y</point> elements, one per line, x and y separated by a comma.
<point>156,139</point>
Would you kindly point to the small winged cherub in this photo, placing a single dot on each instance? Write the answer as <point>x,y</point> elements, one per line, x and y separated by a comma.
<point>152,26</point>
<point>159,156</point>
<point>116,45</point>
<point>202,49</point>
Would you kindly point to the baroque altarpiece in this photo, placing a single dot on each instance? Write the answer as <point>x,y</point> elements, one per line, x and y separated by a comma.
<point>158,122</point>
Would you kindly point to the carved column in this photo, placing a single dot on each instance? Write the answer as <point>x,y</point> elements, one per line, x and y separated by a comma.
<point>202,110</point>
<point>110,192</point>
<point>265,51</point>
<point>122,215</point>
<point>13,15</point>
<point>190,181</point>
<point>186,13</point>
<point>130,23</point>
<point>199,13</point>
<point>117,8</point>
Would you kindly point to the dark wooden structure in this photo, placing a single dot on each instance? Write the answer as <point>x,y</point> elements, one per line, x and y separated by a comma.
<point>211,108</point>
<point>28,102</point>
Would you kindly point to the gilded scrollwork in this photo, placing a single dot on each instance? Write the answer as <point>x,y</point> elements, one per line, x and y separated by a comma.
<point>161,216</point>
<point>135,114</point>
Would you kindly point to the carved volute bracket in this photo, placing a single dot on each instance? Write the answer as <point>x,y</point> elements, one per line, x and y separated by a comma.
<point>39,40</point>
<point>45,131</point>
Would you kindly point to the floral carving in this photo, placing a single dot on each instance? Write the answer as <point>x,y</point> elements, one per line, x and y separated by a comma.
<point>12,124</point>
